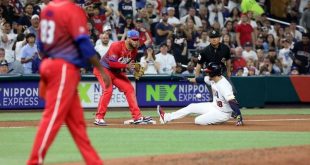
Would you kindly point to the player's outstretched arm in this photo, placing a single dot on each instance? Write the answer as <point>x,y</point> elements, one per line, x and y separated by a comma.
<point>235,107</point>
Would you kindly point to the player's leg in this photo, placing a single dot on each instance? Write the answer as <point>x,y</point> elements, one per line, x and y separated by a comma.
<point>214,116</point>
<point>106,94</point>
<point>59,93</point>
<point>77,127</point>
<point>124,85</point>
<point>197,108</point>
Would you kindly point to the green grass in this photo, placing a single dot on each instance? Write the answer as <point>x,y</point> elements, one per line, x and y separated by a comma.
<point>24,115</point>
<point>114,143</point>
<point>15,143</point>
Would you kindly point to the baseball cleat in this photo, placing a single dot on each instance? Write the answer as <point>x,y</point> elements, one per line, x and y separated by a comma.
<point>100,122</point>
<point>161,114</point>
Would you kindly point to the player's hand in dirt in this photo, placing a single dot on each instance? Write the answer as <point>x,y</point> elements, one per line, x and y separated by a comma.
<point>239,120</point>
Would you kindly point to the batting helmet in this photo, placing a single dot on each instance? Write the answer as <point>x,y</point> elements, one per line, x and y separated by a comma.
<point>214,69</point>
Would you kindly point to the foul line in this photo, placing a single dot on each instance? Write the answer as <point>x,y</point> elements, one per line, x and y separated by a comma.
<point>176,122</point>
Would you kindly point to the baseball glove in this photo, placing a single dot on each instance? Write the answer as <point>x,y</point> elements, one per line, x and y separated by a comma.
<point>138,71</point>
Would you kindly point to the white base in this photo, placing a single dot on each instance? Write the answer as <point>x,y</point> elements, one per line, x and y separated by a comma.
<point>127,122</point>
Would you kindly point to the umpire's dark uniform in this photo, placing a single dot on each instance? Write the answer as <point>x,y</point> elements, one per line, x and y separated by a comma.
<point>219,53</point>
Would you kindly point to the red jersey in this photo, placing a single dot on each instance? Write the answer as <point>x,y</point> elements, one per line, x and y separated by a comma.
<point>238,63</point>
<point>118,56</point>
<point>58,31</point>
<point>245,31</point>
<point>99,21</point>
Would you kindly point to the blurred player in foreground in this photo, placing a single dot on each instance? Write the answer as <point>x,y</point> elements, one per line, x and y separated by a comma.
<point>64,42</point>
<point>120,56</point>
<point>216,112</point>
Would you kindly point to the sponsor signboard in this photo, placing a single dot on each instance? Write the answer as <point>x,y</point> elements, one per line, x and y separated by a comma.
<point>20,95</point>
<point>90,92</point>
<point>171,94</point>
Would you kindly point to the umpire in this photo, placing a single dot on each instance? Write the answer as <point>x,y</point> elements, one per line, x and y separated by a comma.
<point>215,52</point>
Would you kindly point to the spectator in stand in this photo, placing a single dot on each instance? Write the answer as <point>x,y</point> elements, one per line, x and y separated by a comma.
<point>98,18</point>
<point>172,20</point>
<point>163,30</point>
<point>35,21</point>
<point>8,11</point>
<point>148,61</point>
<point>238,61</point>
<point>260,57</point>
<point>270,42</point>
<point>24,20</point>
<point>301,54</point>
<point>28,53</point>
<point>204,14</point>
<point>259,43</point>
<point>226,39</point>
<point>230,29</point>
<point>7,40</point>
<point>277,67</point>
<point>127,25</point>
<point>294,71</point>
<point>249,53</point>
<point>305,18</point>
<point>190,70</point>
<point>202,41</point>
<point>125,8</point>
<point>14,67</point>
<point>192,15</point>
<point>36,61</point>
<point>153,18</point>
<point>167,64</point>
<point>179,46</point>
<point>175,4</point>
<point>103,44</point>
<point>266,67</point>
<point>235,14</point>
<point>216,8</point>
<point>293,30</point>
<point>244,32</point>
<point>191,33</point>
<point>272,54</point>
<point>4,67</point>
<point>284,56</point>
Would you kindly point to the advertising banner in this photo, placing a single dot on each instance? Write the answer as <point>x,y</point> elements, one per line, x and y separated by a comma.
<point>20,95</point>
<point>24,95</point>
<point>90,92</point>
<point>181,93</point>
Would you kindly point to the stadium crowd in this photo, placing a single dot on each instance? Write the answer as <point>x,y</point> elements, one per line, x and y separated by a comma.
<point>172,32</point>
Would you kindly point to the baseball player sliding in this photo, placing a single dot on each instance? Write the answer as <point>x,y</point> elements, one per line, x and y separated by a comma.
<point>218,111</point>
<point>121,55</point>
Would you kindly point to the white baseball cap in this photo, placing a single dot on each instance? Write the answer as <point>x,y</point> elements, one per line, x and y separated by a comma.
<point>35,16</point>
<point>107,27</point>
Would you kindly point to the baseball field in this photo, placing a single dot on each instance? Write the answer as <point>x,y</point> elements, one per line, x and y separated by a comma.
<point>269,136</point>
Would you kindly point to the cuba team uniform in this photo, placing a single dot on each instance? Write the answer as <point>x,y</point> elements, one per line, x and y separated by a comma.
<point>114,62</point>
<point>63,25</point>
<point>215,112</point>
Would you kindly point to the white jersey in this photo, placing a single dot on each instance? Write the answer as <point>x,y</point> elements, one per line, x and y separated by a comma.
<point>222,92</point>
<point>215,112</point>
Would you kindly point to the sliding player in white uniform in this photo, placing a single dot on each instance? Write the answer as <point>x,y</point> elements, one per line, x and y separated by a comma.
<point>216,112</point>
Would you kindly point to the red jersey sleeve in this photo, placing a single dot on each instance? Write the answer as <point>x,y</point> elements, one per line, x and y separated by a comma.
<point>78,19</point>
<point>114,55</point>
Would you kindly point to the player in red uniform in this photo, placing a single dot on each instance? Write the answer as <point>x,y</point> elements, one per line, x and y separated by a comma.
<point>64,42</point>
<point>121,55</point>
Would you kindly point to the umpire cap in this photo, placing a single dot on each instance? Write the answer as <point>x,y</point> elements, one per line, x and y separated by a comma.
<point>214,34</point>
<point>214,69</point>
